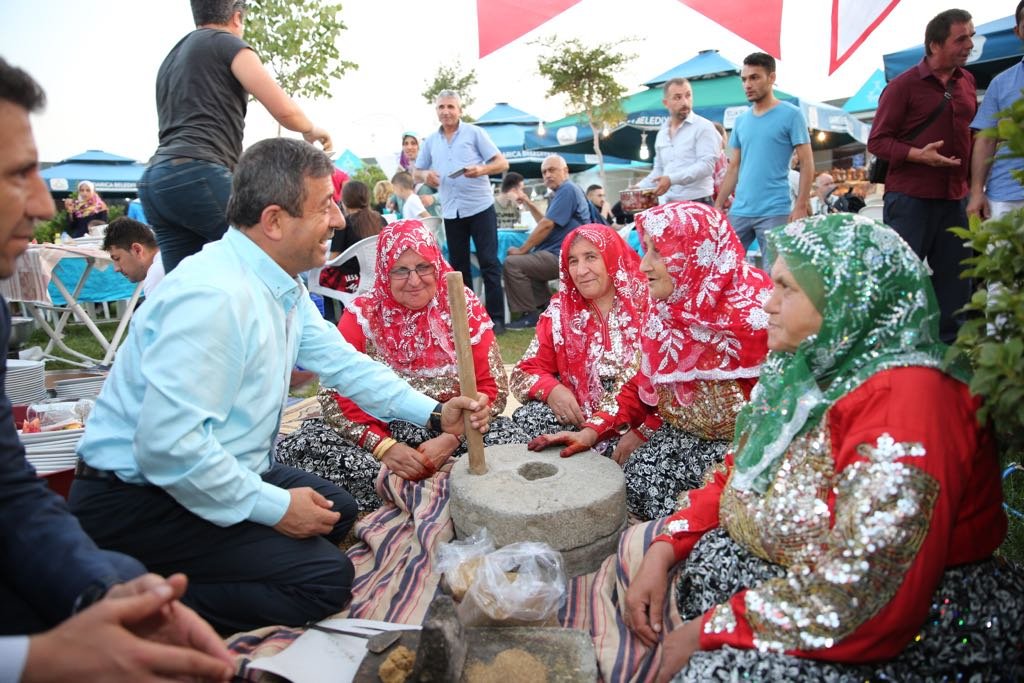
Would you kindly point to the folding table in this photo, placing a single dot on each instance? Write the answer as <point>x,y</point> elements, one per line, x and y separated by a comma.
<point>36,269</point>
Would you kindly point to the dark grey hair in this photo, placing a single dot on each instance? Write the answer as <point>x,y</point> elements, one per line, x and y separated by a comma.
<point>271,172</point>
<point>941,24</point>
<point>217,12</point>
<point>674,81</point>
<point>17,87</point>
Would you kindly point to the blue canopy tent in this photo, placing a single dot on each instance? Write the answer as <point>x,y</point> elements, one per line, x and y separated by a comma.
<point>112,175</point>
<point>866,98</point>
<point>718,96</point>
<point>707,64</point>
<point>996,49</point>
<point>508,127</point>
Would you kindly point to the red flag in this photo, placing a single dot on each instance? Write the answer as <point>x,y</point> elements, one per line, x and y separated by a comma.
<point>762,26</point>
<point>502,21</point>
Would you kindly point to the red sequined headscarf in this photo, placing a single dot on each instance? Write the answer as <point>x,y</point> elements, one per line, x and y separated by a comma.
<point>712,326</point>
<point>414,342</point>
<point>575,324</point>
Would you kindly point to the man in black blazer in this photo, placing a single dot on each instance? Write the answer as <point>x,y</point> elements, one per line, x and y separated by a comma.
<point>68,610</point>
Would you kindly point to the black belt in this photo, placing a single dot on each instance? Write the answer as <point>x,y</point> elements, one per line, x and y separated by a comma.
<point>83,471</point>
<point>709,200</point>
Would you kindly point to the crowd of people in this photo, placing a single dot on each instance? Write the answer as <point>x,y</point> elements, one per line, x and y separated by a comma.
<point>812,494</point>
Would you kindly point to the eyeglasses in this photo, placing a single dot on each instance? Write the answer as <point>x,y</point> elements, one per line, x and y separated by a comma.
<point>424,270</point>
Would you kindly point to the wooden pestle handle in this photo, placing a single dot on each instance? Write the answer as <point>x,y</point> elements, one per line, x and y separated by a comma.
<point>467,371</point>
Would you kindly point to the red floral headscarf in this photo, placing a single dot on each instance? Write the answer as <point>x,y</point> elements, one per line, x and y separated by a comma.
<point>414,342</point>
<point>712,326</point>
<point>573,323</point>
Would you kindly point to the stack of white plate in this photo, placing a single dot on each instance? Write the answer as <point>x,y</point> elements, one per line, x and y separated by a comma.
<point>79,387</point>
<point>25,381</point>
<point>52,451</point>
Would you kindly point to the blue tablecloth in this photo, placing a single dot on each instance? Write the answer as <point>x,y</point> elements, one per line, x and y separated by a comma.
<point>102,285</point>
<point>506,239</point>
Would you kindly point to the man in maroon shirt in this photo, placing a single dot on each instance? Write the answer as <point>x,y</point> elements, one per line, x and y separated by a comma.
<point>926,188</point>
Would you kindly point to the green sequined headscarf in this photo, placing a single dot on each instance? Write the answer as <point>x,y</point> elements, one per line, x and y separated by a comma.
<point>878,311</point>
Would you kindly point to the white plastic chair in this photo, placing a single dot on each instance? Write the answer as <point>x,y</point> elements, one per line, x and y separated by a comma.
<point>436,226</point>
<point>872,211</point>
<point>365,253</point>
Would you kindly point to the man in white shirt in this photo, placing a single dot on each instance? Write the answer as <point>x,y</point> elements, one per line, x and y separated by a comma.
<point>686,150</point>
<point>133,249</point>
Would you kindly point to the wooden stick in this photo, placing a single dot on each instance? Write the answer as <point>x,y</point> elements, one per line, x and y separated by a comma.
<point>467,371</point>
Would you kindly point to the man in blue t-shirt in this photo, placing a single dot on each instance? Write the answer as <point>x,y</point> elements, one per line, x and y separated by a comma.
<point>762,142</point>
<point>529,268</point>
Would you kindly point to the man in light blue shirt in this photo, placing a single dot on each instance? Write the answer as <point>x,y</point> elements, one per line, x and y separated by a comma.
<point>457,159</point>
<point>762,142</point>
<point>178,466</point>
<point>685,150</point>
<point>994,190</point>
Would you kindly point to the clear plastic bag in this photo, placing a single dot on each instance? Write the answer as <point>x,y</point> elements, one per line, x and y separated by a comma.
<point>52,416</point>
<point>522,584</point>
<point>458,561</point>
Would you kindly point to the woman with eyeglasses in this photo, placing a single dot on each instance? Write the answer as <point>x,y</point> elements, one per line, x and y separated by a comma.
<point>404,322</point>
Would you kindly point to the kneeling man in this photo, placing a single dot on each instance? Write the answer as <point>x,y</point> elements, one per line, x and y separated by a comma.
<point>177,465</point>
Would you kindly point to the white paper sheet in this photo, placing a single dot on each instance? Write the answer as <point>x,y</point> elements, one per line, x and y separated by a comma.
<point>318,657</point>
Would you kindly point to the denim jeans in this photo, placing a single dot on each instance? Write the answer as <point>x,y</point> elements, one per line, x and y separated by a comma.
<point>483,229</point>
<point>749,227</point>
<point>186,202</point>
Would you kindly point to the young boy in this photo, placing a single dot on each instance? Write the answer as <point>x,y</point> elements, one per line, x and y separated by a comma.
<point>412,206</point>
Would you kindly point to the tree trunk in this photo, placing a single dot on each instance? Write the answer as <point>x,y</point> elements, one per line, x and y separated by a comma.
<point>597,149</point>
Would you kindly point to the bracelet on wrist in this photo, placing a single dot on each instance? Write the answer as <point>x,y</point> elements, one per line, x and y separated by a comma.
<point>382,448</point>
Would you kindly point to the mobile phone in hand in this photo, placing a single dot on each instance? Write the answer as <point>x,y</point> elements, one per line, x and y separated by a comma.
<point>456,174</point>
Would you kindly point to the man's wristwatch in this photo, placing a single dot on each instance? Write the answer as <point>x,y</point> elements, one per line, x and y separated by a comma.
<point>434,422</point>
<point>92,594</point>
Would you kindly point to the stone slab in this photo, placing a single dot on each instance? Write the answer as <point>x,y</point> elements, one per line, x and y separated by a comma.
<point>568,654</point>
<point>576,505</point>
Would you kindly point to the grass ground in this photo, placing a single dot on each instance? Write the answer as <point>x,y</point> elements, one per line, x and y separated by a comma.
<point>513,343</point>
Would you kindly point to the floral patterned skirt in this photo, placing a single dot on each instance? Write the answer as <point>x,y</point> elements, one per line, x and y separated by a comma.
<point>671,462</point>
<point>974,631</point>
<point>317,448</point>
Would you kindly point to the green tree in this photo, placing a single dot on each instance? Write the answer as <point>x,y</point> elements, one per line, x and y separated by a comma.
<point>993,338</point>
<point>586,76</point>
<point>452,78</point>
<point>369,175</point>
<point>298,42</point>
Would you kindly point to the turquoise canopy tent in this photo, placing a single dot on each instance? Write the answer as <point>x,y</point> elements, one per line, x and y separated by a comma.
<point>866,98</point>
<point>348,162</point>
<point>112,175</point>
